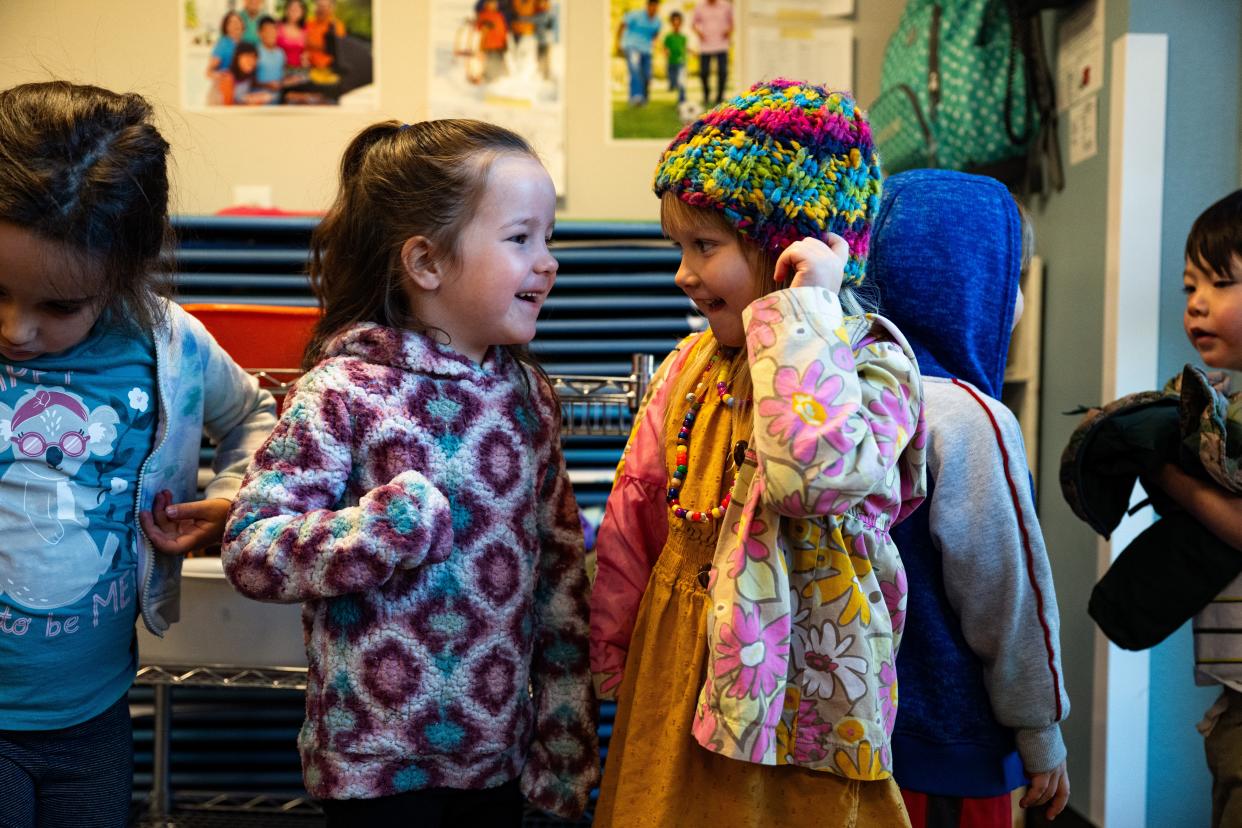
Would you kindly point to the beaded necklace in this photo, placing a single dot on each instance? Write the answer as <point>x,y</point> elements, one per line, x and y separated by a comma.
<point>696,400</point>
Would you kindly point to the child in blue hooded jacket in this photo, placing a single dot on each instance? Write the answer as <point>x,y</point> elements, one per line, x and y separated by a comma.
<point>982,692</point>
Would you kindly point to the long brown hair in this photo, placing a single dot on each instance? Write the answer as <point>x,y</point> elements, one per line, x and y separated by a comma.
<point>399,181</point>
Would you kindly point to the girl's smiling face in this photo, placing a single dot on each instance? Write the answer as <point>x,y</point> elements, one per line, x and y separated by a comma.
<point>718,270</point>
<point>491,294</point>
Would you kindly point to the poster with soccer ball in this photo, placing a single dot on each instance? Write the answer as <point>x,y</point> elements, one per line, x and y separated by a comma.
<point>670,61</point>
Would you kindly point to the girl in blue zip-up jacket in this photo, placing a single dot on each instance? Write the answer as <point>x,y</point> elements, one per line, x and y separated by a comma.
<point>105,391</point>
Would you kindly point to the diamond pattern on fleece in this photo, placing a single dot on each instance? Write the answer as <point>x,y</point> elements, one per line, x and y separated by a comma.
<point>417,503</point>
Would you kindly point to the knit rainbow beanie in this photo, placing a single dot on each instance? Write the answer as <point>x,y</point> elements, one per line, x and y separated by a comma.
<point>783,160</point>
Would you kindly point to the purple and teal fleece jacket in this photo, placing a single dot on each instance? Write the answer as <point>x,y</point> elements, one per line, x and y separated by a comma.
<point>417,504</point>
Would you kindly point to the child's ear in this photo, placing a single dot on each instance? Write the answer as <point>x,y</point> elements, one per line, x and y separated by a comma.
<point>420,262</point>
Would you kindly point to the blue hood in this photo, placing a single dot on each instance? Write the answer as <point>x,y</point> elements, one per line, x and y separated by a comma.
<point>946,254</point>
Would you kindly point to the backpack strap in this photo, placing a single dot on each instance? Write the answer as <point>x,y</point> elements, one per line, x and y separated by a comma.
<point>1044,172</point>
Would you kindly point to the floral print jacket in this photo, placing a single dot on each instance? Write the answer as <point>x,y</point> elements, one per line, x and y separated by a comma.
<point>807,591</point>
<point>418,504</point>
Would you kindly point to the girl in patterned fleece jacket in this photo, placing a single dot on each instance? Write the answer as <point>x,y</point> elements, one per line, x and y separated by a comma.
<point>414,496</point>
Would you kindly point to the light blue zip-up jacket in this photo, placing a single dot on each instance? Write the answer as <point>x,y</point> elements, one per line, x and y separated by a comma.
<point>201,390</point>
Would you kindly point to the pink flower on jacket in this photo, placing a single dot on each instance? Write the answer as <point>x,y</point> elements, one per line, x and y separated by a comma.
<point>894,593</point>
<point>759,654</point>
<point>810,736</point>
<point>803,411</point>
<point>888,696</point>
<point>893,421</point>
<point>764,738</point>
<point>829,502</point>
<point>764,315</point>
<point>843,357</point>
<point>705,723</point>
<point>752,549</point>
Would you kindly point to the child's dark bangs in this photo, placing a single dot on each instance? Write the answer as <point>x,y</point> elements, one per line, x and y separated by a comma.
<point>1215,239</point>
<point>1216,250</point>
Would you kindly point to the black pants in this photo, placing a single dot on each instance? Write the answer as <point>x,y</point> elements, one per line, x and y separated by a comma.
<point>431,808</point>
<point>722,76</point>
<point>73,777</point>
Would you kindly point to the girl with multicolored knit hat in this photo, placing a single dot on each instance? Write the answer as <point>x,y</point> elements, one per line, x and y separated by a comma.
<point>414,496</point>
<point>748,604</point>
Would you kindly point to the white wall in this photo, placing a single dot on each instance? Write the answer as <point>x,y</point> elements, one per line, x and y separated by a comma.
<point>133,45</point>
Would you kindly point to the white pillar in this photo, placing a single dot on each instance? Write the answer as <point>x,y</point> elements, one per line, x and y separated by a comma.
<point>1130,350</point>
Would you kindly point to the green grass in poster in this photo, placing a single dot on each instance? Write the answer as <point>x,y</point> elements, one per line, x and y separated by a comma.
<point>658,119</point>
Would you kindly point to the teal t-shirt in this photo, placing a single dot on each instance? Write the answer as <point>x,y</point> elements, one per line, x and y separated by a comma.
<point>675,43</point>
<point>640,31</point>
<point>75,428</point>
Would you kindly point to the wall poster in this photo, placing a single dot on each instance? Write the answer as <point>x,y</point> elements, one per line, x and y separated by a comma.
<point>253,54</point>
<point>669,61</point>
<point>503,61</point>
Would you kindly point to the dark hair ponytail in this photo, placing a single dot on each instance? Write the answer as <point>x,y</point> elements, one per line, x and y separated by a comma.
<point>85,167</point>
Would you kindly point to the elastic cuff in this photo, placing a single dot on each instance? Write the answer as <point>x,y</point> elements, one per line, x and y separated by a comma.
<point>1041,750</point>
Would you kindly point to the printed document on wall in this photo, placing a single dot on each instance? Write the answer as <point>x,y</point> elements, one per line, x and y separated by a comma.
<point>1080,55</point>
<point>802,8</point>
<point>822,54</point>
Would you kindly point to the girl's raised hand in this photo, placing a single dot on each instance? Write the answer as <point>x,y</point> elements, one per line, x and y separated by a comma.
<point>177,528</point>
<point>811,263</point>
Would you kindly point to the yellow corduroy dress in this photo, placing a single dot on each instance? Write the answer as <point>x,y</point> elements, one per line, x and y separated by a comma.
<point>655,773</point>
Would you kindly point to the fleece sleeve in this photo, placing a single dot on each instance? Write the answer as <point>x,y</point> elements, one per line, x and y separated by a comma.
<point>291,536</point>
<point>996,571</point>
<point>562,764</point>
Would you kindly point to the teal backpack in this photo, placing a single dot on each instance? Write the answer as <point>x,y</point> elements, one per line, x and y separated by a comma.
<point>963,87</point>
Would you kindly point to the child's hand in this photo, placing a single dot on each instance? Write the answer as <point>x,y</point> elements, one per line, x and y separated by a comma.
<point>177,528</point>
<point>1052,787</point>
<point>811,263</point>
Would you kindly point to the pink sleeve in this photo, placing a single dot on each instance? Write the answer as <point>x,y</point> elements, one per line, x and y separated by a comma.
<point>630,538</point>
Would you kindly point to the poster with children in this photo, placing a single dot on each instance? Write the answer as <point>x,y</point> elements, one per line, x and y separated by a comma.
<point>669,61</point>
<point>253,54</point>
<point>503,61</point>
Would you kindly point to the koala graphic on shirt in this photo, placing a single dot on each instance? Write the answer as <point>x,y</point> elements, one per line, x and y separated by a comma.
<point>49,557</point>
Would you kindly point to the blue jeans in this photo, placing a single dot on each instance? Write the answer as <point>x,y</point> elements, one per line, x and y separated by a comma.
<point>677,80</point>
<point>639,65</point>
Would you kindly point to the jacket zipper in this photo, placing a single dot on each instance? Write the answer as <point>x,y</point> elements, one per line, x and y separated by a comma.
<point>149,569</point>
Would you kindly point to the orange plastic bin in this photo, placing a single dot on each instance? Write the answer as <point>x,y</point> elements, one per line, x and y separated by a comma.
<point>266,340</point>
